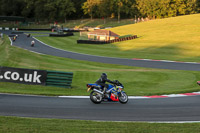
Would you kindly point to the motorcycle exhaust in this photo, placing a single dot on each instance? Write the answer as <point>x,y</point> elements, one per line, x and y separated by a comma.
<point>98,91</point>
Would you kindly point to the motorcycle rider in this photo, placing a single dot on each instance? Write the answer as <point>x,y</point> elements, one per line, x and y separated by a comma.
<point>102,81</point>
<point>32,43</point>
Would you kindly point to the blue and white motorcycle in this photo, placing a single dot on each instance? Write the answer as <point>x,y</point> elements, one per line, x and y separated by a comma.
<point>113,93</point>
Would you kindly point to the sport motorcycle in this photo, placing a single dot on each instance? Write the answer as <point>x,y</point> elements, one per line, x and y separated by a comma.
<point>113,93</point>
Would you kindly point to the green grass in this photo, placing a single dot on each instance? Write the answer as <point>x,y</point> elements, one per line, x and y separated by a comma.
<point>137,81</point>
<point>74,23</point>
<point>35,125</point>
<point>97,23</point>
<point>175,38</point>
<point>1,40</point>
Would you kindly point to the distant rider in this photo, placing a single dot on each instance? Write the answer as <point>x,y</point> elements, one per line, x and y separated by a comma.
<point>102,81</point>
<point>32,43</point>
<point>14,38</point>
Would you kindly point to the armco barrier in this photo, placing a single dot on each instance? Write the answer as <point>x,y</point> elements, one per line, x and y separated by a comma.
<point>92,42</point>
<point>70,30</point>
<point>61,35</point>
<point>59,79</point>
<point>35,29</point>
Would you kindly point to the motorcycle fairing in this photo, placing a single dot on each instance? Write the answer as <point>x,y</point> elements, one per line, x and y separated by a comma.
<point>113,97</point>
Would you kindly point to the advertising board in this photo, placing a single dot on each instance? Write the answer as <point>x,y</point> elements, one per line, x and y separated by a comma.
<point>25,76</point>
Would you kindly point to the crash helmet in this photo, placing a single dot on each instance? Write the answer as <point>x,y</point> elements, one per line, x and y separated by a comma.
<point>104,76</point>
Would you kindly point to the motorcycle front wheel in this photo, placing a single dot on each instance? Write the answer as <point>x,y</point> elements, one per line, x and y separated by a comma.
<point>123,98</point>
<point>95,97</point>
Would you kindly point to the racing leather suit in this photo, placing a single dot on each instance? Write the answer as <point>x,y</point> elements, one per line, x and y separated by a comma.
<point>102,82</point>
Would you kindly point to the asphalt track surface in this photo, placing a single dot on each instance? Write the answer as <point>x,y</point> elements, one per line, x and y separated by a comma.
<point>24,42</point>
<point>158,109</point>
<point>161,109</point>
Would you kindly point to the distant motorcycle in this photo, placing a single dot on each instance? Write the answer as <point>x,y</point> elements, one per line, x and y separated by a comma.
<point>14,38</point>
<point>113,93</point>
<point>32,43</point>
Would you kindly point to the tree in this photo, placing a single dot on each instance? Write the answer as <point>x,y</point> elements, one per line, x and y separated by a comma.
<point>50,10</point>
<point>165,8</point>
<point>105,8</point>
<point>89,7</point>
<point>79,11</point>
<point>198,6</point>
<point>11,7</point>
<point>65,8</point>
<point>39,10</point>
<point>192,6</point>
<point>28,10</point>
<point>122,6</point>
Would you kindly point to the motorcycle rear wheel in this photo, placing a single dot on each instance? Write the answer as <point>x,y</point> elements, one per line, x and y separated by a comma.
<point>123,98</point>
<point>95,97</point>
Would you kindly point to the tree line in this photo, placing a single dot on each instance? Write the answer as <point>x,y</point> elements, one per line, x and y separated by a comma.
<point>62,10</point>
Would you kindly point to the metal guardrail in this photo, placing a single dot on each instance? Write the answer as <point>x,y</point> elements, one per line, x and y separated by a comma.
<point>62,35</point>
<point>59,79</point>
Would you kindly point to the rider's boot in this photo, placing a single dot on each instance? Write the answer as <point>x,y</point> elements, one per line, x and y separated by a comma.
<point>104,91</point>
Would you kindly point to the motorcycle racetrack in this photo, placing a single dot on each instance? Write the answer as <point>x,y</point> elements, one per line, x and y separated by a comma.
<point>40,47</point>
<point>178,109</point>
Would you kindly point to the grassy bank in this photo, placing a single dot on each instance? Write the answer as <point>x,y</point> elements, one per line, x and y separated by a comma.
<point>137,81</point>
<point>24,125</point>
<point>175,38</point>
<point>73,23</point>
